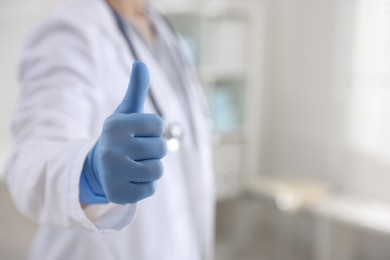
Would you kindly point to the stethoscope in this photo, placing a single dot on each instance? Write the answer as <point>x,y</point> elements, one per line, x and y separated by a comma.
<point>173,132</point>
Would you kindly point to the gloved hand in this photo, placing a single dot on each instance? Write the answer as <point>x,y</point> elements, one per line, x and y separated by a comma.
<point>125,162</point>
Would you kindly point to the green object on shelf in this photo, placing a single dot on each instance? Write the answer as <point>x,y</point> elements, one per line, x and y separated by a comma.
<point>225,109</point>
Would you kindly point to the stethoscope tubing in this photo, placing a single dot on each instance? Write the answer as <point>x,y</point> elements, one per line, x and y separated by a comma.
<point>122,28</point>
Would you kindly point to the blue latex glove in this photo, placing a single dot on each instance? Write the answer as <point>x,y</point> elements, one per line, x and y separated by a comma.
<point>125,162</point>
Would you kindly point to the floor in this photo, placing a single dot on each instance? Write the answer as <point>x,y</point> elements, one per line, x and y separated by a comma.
<point>245,231</point>
<point>16,231</point>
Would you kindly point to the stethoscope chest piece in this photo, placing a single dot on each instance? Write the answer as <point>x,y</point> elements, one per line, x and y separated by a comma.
<point>173,135</point>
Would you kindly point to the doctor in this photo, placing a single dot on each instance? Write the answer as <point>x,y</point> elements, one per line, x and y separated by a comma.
<point>90,147</point>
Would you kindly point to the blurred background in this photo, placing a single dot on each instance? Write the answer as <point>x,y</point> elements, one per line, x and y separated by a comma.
<point>299,91</point>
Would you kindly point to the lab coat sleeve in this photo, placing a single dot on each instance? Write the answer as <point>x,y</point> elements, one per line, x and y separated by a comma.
<point>54,128</point>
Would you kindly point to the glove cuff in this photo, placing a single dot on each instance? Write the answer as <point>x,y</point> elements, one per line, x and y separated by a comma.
<point>91,191</point>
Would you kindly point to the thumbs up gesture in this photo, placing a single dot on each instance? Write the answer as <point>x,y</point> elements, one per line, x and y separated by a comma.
<point>125,162</point>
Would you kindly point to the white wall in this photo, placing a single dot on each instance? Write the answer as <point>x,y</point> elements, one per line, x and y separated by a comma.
<point>298,90</point>
<point>310,48</point>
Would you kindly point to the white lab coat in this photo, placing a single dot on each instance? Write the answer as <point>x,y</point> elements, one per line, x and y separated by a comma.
<point>74,71</point>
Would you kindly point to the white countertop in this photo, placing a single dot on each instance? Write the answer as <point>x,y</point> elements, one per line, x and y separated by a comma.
<point>359,211</point>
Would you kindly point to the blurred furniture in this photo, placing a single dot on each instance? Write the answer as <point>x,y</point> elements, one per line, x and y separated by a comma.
<point>356,214</point>
<point>224,40</point>
<point>342,222</point>
<point>289,196</point>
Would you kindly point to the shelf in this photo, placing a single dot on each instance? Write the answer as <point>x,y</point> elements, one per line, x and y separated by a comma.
<point>228,138</point>
<point>183,7</point>
<point>225,68</point>
<point>213,73</point>
<point>210,9</point>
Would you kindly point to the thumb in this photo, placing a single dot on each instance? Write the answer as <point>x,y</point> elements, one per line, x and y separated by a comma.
<point>136,93</point>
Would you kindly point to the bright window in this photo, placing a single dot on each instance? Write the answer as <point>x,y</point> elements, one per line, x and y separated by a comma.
<point>370,106</point>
